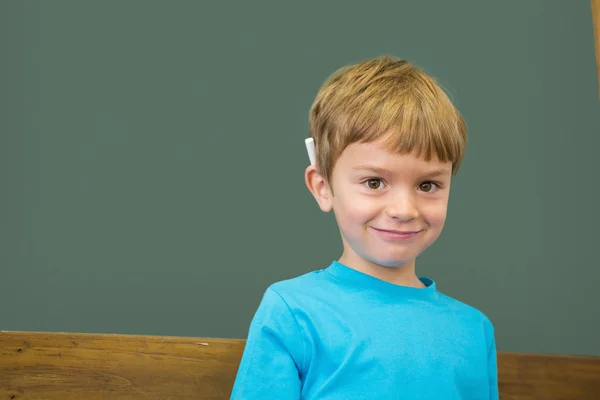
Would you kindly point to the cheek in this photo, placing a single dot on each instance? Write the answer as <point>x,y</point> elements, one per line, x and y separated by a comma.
<point>353,210</point>
<point>436,214</point>
<point>358,210</point>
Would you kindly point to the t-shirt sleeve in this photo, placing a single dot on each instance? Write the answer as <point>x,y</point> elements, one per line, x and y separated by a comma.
<point>274,354</point>
<point>492,359</point>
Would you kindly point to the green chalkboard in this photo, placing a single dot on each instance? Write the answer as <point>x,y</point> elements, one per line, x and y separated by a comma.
<point>152,159</point>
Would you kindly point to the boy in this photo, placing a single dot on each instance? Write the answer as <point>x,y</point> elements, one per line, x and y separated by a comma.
<point>388,140</point>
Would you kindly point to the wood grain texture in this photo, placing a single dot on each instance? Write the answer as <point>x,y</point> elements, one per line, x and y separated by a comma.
<point>90,366</point>
<point>596,21</point>
<point>548,377</point>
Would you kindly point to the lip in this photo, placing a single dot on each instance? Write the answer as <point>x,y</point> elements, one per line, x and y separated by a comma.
<point>390,234</point>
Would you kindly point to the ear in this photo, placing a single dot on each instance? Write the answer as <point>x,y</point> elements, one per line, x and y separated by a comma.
<point>319,188</point>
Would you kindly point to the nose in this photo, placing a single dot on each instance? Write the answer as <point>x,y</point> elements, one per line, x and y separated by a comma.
<point>403,207</point>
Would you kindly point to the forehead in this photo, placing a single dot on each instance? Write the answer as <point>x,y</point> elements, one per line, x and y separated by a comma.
<point>377,155</point>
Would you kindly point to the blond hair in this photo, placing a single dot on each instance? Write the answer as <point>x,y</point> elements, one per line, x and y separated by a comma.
<point>389,99</point>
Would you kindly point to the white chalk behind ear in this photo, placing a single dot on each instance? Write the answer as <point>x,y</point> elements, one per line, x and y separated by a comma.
<point>310,147</point>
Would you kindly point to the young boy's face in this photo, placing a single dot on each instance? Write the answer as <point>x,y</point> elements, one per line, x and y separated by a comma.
<point>389,207</point>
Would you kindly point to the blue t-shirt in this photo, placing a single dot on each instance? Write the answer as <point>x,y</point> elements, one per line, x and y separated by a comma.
<point>341,334</point>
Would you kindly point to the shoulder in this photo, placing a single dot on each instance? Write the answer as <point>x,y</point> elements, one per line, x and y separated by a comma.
<point>303,285</point>
<point>278,307</point>
<point>465,310</point>
<point>282,305</point>
<point>471,317</point>
<point>304,293</point>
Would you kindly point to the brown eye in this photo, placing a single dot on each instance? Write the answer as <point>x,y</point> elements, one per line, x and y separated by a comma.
<point>373,184</point>
<point>427,186</point>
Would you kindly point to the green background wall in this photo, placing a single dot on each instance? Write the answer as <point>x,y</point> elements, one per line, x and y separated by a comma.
<point>152,159</point>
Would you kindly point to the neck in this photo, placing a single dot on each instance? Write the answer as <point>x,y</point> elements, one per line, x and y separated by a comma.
<point>403,275</point>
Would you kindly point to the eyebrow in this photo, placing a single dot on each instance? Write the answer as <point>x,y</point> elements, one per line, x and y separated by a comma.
<point>382,171</point>
<point>371,168</point>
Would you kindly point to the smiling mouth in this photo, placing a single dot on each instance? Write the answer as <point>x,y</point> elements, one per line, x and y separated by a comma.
<point>395,232</point>
<point>390,234</point>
